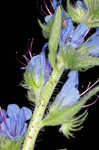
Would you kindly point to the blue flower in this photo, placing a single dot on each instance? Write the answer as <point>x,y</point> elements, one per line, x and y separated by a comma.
<point>56,3</point>
<point>66,31</point>
<point>78,35</point>
<point>40,67</point>
<point>48,18</point>
<point>14,124</point>
<point>74,37</point>
<point>94,42</point>
<point>81,4</point>
<point>71,35</point>
<point>69,93</point>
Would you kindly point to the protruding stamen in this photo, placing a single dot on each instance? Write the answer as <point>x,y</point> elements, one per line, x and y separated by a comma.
<point>84,35</point>
<point>26,59</point>
<point>20,62</point>
<point>47,8</point>
<point>89,87</point>
<point>88,105</point>
<point>30,49</point>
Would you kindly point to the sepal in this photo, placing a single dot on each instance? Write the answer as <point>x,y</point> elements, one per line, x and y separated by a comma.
<point>78,59</point>
<point>87,13</point>
<point>77,13</point>
<point>7,144</point>
<point>92,16</point>
<point>29,77</point>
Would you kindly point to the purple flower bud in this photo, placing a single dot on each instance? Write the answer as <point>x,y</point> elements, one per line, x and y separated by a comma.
<point>69,93</point>
<point>14,125</point>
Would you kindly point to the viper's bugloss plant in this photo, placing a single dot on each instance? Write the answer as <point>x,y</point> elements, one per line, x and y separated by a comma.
<point>68,49</point>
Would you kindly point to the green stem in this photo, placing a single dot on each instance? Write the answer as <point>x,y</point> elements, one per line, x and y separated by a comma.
<point>35,123</point>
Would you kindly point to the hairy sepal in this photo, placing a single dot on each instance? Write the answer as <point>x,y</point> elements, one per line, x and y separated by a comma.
<point>7,144</point>
<point>78,59</point>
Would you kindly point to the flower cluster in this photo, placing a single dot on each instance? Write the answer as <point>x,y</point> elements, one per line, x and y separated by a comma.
<point>67,50</point>
<point>39,69</point>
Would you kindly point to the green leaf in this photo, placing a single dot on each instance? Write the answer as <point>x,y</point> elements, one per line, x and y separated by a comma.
<point>66,114</point>
<point>54,38</point>
<point>46,28</point>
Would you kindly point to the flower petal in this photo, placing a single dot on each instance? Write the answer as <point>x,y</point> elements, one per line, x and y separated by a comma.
<point>20,122</point>
<point>27,113</point>
<point>47,18</point>
<point>48,70</point>
<point>12,109</point>
<point>23,132</point>
<point>93,41</point>
<point>71,97</point>
<point>82,4</point>
<point>69,91</point>
<point>4,113</point>
<point>6,129</point>
<point>77,36</point>
<point>56,4</point>
<point>66,32</point>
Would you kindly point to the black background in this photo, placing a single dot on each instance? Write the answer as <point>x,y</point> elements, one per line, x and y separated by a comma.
<point>19,26</point>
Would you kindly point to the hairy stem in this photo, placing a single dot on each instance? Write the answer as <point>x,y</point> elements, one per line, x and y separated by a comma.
<point>35,123</point>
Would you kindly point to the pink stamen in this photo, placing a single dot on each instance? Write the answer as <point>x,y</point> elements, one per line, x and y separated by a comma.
<point>89,87</point>
<point>30,49</point>
<point>26,59</point>
<point>83,36</point>
<point>20,62</point>
<point>47,8</point>
<point>91,103</point>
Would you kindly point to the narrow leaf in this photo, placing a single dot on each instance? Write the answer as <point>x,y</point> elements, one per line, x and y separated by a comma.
<point>54,38</point>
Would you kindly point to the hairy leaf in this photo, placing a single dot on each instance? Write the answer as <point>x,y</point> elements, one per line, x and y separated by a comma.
<point>54,38</point>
